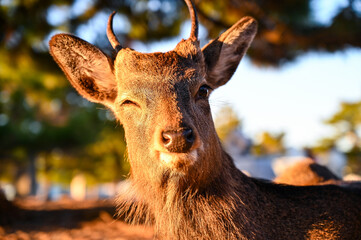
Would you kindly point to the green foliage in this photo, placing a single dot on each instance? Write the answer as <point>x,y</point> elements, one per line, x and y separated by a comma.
<point>269,144</point>
<point>347,125</point>
<point>287,29</point>
<point>227,121</point>
<point>348,118</point>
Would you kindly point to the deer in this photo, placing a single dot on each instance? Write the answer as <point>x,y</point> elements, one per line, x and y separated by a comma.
<point>181,179</point>
<point>307,172</point>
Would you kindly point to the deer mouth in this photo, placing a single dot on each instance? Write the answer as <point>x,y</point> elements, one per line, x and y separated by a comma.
<point>179,161</point>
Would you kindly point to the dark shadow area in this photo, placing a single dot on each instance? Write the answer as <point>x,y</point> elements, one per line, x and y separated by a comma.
<point>65,219</point>
<point>54,215</point>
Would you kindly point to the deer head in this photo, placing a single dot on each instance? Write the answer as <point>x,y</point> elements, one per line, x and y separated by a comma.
<point>161,99</point>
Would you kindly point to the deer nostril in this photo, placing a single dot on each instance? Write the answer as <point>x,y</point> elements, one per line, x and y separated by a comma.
<point>179,140</point>
<point>188,134</point>
<point>166,137</point>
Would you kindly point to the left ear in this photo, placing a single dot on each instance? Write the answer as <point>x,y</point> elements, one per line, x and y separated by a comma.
<point>223,54</point>
<point>87,68</point>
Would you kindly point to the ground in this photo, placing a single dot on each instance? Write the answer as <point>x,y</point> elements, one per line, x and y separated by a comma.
<point>29,219</point>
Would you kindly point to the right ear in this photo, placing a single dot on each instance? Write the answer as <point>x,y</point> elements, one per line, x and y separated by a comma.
<point>223,54</point>
<point>87,68</point>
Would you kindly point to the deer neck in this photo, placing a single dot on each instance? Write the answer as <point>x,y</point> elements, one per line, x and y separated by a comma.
<point>206,213</point>
<point>190,213</point>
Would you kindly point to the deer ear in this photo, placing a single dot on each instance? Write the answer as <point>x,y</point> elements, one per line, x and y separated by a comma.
<point>223,54</point>
<point>87,68</point>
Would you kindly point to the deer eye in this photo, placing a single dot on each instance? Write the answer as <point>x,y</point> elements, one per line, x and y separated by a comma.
<point>129,103</point>
<point>203,92</point>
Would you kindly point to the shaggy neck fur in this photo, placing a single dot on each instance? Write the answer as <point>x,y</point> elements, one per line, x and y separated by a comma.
<point>212,212</point>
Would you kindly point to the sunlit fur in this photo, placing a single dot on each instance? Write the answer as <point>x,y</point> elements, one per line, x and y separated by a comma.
<point>306,172</point>
<point>163,86</point>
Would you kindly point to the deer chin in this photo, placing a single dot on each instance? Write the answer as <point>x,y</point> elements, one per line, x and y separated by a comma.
<point>179,161</point>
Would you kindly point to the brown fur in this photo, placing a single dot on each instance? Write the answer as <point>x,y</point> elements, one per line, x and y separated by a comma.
<point>198,194</point>
<point>306,172</point>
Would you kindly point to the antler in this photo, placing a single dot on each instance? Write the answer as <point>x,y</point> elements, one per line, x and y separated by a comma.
<point>110,34</point>
<point>193,36</point>
<point>192,12</point>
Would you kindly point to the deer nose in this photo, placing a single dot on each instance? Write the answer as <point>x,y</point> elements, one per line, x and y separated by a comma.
<point>179,141</point>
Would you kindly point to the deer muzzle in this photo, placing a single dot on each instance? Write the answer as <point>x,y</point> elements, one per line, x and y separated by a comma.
<point>180,141</point>
<point>177,147</point>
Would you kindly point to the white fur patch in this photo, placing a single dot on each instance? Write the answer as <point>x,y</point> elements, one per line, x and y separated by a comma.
<point>175,159</point>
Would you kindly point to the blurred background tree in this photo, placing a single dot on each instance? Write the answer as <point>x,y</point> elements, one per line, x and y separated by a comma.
<point>48,130</point>
<point>227,120</point>
<point>269,144</point>
<point>347,122</point>
<point>347,125</point>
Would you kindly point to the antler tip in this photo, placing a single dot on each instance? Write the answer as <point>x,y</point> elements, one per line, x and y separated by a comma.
<point>194,30</point>
<point>110,33</point>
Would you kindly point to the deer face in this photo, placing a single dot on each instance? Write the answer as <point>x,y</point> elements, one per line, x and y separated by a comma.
<point>159,101</point>
<point>160,98</point>
<point>163,106</point>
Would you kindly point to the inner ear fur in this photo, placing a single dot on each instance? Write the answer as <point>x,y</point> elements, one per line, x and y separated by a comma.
<point>223,54</point>
<point>87,68</point>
